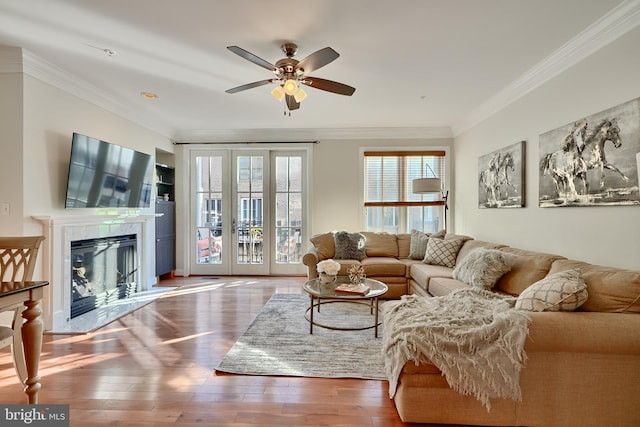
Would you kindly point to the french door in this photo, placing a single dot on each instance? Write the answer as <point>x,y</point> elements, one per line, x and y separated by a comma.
<point>247,212</point>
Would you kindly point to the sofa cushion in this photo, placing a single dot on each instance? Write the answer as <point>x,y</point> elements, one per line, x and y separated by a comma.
<point>418,245</point>
<point>439,235</point>
<point>423,273</point>
<point>613,290</point>
<point>462,237</point>
<point>383,266</point>
<point>404,240</point>
<point>482,267</point>
<point>325,245</point>
<point>442,252</point>
<point>528,268</point>
<point>349,245</point>
<point>439,286</point>
<point>381,244</point>
<point>562,291</point>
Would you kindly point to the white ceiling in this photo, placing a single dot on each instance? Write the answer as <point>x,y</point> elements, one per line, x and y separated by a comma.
<point>432,67</point>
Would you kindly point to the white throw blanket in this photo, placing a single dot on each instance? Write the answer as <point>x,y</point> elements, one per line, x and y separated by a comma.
<point>475,337</point>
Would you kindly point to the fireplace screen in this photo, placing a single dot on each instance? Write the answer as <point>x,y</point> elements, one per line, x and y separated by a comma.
<point>103,271</point>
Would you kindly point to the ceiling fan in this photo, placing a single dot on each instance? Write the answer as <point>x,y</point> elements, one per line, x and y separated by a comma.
<point>291,73</point>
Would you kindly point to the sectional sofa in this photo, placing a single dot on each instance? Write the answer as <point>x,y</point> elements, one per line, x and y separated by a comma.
<point>582,367</point>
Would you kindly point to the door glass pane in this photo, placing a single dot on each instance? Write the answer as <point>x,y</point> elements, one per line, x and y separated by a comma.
<point>208,210</point>
<point>288,196</point>
<point>249,184</point>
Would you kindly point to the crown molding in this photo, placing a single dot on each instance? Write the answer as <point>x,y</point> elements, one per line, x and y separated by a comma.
<point>42,70</point>
<point>306,134</point>
<point>620,20</point>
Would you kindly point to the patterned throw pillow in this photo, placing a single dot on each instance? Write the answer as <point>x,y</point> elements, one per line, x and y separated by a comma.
<point>562,291</point>
<point>349,245</point>
<point>482,267</point>
<point>418,244</point>
<point>442,252</point>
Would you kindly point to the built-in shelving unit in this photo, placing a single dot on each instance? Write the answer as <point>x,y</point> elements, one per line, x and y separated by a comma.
<point>166,220</point>
<point>165,181</point>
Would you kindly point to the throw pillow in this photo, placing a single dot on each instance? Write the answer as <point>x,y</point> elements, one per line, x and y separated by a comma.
<point>418,244</point>
<point>482,267</point>
<point>325,245</point>
<point>442,252</point>
<point>349,245</point>
<point>562,291</point>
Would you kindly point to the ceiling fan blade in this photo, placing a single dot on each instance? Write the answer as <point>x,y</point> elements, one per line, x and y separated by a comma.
<point>328,85</point>
<point>251,57</point>
<point>318,59</point>
<point>250,86</point>
<point>292,104</point>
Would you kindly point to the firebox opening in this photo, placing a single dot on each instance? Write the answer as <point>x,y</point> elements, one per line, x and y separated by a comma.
<point>103,271</point>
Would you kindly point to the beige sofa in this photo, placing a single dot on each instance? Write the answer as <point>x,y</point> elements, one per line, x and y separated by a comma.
<point>582,369</point>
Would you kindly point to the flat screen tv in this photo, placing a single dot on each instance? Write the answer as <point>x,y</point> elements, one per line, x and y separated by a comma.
<point>105,175</point>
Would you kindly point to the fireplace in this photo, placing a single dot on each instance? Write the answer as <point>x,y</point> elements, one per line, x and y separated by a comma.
<point>58,263</point>
<point>103,271</point>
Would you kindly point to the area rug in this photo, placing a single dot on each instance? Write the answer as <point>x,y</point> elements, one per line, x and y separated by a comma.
<point>278,342</point>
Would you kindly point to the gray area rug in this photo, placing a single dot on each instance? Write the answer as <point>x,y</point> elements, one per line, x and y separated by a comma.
<point>278,342</point>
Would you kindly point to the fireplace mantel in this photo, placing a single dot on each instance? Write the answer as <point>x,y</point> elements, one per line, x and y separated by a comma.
<point>60,231</point>
<point>93,219</point>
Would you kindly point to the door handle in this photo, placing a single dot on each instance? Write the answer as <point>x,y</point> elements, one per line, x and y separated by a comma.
<point>233,226</point>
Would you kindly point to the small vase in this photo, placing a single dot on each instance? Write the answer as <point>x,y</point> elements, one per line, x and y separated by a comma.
<point>327,279</point>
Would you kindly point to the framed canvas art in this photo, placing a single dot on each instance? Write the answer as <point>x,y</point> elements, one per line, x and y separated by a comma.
<point>501,177</point>
<point>592,162</point>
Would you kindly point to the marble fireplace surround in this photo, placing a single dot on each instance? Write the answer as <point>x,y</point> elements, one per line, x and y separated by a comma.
<point>59,232</point>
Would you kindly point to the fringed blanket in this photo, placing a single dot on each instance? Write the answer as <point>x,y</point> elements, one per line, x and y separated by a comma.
<point>475,337</point>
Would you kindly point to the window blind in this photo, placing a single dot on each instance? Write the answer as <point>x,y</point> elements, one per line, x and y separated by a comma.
<point>389,174</point>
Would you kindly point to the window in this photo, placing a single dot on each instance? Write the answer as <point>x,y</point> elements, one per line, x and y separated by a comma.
<point>390,204</point>
<point>288,196</point>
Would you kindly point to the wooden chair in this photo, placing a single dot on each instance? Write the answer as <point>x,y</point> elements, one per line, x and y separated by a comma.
<point>17,262</point>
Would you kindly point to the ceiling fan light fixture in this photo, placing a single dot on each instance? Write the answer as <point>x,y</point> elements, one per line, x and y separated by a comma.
<point>300,95</point>
<point>278,93</point>
<point>290,74</point>
<point>290,87</point>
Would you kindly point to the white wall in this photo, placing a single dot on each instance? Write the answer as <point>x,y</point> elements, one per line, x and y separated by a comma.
<point>602,235</point>
<point>12,152</point>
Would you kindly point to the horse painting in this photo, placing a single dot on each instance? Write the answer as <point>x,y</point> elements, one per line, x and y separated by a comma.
<point>496,182</point>
<point>592,161</point>
<point>582,151</point>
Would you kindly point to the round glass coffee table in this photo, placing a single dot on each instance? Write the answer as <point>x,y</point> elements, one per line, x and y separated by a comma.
<point>325,294</point>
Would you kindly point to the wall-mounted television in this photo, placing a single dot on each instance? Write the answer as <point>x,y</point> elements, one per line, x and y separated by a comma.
<point>105,175</point>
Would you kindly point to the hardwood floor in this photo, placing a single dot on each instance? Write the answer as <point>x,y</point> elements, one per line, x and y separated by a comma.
<point>155,367</point>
